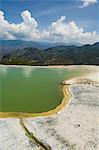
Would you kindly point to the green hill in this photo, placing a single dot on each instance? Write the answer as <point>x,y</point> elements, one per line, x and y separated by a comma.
<point>58,55</point>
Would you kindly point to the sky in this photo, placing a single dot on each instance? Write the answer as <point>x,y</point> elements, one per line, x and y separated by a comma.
<point>50,20</point>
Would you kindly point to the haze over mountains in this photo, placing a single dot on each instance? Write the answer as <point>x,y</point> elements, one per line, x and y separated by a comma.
<point>11,45</point>
<point>43,53</point>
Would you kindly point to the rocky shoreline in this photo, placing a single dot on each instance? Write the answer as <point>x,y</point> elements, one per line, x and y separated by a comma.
<point>66,97</point>
<point>75,127</point>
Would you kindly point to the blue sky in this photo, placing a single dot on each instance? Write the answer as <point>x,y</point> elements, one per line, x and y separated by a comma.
<point>48,11</point>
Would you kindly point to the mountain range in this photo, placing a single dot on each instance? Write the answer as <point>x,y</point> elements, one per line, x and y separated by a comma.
<point>23,53</point>
<point>12,45</point>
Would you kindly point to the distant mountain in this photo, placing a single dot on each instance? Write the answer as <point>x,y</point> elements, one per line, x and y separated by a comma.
<point>73,43</point>
<point>57,55</point>
<point>7,46</point>
<point>96,44</point>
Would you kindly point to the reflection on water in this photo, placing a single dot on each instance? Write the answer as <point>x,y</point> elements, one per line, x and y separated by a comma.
<point>32,89</point>
<point>27,71</point>
<point>3,70</point>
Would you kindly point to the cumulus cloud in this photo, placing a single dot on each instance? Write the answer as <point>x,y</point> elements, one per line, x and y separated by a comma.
<point>26,29</point>
<point>87,3</point>
<point>57,31</point>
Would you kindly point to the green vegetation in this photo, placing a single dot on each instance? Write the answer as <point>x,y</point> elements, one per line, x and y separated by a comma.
<point>58,55</point>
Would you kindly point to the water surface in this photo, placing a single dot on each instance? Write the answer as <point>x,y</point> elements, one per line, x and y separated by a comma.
<point>29,89</point>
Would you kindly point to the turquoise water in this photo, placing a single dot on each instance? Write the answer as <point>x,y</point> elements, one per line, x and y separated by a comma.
<point>28,89</point>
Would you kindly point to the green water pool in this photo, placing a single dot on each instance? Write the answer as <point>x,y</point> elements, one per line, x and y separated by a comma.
<point>31,89</point>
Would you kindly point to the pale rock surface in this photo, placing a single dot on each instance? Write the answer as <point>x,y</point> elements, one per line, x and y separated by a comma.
<point>12,136</point>
<point>76,127</point>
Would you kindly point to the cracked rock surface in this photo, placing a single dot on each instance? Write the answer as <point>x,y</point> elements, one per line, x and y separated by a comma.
<point>12,136</point>
<point>76,127</point>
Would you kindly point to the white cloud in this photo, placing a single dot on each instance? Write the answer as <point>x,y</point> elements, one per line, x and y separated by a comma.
<point>57,31</point>
<point>26,29</point>
<point>87,3</point>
